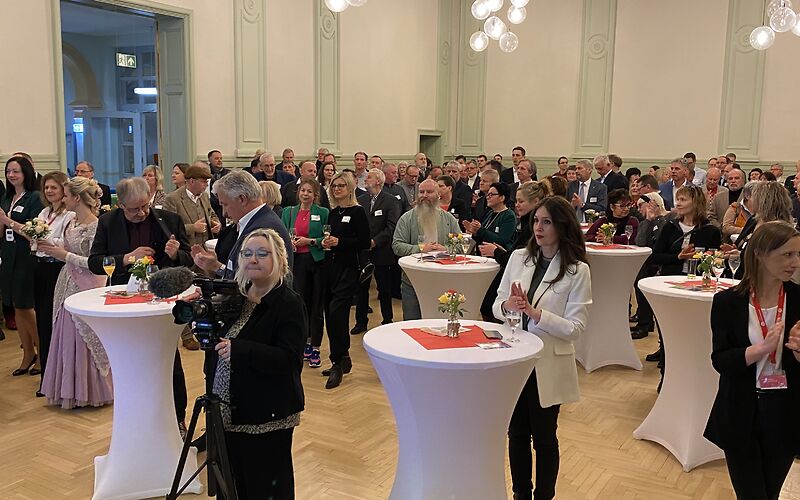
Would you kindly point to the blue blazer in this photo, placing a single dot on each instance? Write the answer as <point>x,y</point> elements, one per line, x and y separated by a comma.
<point>666,193</point>
<point>596,198</point>
<point>265,218</point>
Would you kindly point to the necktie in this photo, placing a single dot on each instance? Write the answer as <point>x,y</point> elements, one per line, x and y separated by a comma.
<point>372,202</point>
<point>582,196</point>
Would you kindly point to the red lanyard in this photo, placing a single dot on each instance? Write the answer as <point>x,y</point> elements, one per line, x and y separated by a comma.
<point>760,315</point>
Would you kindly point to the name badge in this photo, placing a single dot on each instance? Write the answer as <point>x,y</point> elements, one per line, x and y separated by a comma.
<point>315,217</point>
<point>397,196</point>
<point>346,218</point>
<point>157,206</point>
<point>378,212</point>
<point>9,234</point>
<point>593,199</point>
<point>497,230</point>
<point>230,265</point>
<point>19,209</point>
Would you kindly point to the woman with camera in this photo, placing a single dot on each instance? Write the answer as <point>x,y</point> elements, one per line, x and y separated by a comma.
<point>259,371</point>
<point>549,284</point>
<point>755,330</point>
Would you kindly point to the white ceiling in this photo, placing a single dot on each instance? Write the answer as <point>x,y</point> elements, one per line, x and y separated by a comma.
<point>100,22</point>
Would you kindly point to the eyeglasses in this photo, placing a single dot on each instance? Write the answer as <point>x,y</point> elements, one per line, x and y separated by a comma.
<point>623,205</point>
<point>81,171</point>
<point>490,194</point>
<point>261,253</point>
<point>135,211</point>
<point>338,186</point>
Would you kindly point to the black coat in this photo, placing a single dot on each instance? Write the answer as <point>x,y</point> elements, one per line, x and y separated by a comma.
<point>382,219</point>
<point>462,192</point>
<point>267,358</point>
<point>106,198</point>
<point>731,421</point>
<point>112,240</point>
<point>669,242</point>
<point>459,210</point>
<point>615,180</point>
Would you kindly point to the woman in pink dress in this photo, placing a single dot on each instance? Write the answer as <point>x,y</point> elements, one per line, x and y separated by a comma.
<point>77,372</point>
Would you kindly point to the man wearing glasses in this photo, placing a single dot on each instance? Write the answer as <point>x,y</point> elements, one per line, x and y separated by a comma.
<point>86,169</point>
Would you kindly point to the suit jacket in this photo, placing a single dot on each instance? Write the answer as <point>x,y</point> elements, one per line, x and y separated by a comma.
<point>670,240</point>
<point>666,192</point>
<point>731,422</point>
<point>289,195</point>
<point>507,175</point>
<point>458,210</point>
<point>615,180</point>
<point>267,358</point>
<point>480,208</point>
<point>215,176</point>
<point>180,203</point>
<point>382,219</point>
<point>265,218</point>
<point>112,240</point>
<point>717,206</point>
<point>318,218</point>
<point>462,192</point>
<point>106,198</point>
<point>399,194</point>
<point>565,311</point>
<point>281,177</point>
<point>596,197</point>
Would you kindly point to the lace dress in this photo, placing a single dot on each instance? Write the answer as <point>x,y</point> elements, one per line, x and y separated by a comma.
<point>78,372</point>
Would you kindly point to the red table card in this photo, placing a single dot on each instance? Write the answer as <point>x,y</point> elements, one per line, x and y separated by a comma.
<point>472,336</point>
<point>613,246</point>
<point>698,285</point>
<point>112,300</point>
<point>459,260</point>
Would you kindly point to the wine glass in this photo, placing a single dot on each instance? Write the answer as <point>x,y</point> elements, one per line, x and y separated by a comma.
<point>733,262</point>
<point>466,239</point>
<point>718,267</point>
<point>292,233</point>
<point>421,244</point>
<point>513,318</point>
<point>628,233</point>
<point>152,268</point>
<point>326,231</point>
<point>109,265</point>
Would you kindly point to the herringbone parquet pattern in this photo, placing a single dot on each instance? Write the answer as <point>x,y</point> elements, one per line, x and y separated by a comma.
<point>346,449</point>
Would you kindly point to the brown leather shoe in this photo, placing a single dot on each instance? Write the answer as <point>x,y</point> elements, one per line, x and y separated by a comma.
<point>191,344</point>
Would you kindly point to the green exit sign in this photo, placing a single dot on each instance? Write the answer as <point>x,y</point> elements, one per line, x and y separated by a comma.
<point>126,60</point>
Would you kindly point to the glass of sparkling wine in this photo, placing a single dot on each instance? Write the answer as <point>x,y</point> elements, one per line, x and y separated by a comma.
<point>109,265</point>
<point>734,262</point>
<point>718,267</point>
<point>326,231</point>
<point>421,245</point>
<point>513,318</point>
<point>150,270</point>
<point>628,233</point>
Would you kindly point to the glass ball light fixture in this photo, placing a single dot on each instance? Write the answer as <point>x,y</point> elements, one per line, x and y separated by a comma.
<point>519,3</point>
<point>516,15</point>
<point>481,10</point>
<point>494,27</point>
<point>479,41</point>
<point>774,5</point>
<point>762,38</point>
<point>494,5</point>
<point>337,5</point>
<point>509,42</point>
<point>783,20</point>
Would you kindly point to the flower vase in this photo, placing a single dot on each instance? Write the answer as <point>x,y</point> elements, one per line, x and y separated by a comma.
<point>707,282</point>
<point>34,246</point>
<point>453,327</point>
<point>143,282</point>
<point>607,239</point>
<point>452,252</point>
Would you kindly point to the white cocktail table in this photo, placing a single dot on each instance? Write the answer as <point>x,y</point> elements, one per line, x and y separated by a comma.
<point>430,280</point>
<point>607,340</point>
<point>678,418</point>
<point>140,340</point>
<point>452,408</point>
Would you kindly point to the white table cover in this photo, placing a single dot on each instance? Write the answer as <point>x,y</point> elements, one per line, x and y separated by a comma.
<point>678,418</point>
<point>607,340</point>
<point>452,408</point>
<point>430,280</point>
<point>140,340</point>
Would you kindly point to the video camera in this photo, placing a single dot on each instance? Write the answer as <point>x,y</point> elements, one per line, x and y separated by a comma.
<point>213,313</point>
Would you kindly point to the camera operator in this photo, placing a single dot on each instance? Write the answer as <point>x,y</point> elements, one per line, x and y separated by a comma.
<point>133,231</point>
<point>258,374</point>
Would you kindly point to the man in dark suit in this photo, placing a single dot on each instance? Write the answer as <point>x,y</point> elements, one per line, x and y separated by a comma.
<point>677,171</point>
<point>266,169</point>
<point>473,178</point>
<point>383,211</point>
<point>524,169</point>
<point>586,193</point>
<point>133,231</point>
<point>461,190</point>
<point>217,171</point>
<point>308,170</point>
<point>612,180</point>
<point>393,188</point>
<point>448,203</point>
<point>86,169</point>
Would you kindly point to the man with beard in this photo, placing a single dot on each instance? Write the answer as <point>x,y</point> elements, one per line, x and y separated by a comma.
<point>426,219</point>
<point>267,167</point>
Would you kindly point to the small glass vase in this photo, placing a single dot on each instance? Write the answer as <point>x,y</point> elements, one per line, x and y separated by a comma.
<point>607,239</point>
<point>143,287</point>
<point>707,281</point>
<point>34,246</point>
<point>453,327</point>
<point>452,252</point>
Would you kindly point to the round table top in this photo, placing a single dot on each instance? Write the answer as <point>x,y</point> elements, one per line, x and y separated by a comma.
<point>92,303</point>
<point>212,244</point>
<point>659,285</point>
<point>391,343</point>
<point>480,264</point>
<point>592,249</point>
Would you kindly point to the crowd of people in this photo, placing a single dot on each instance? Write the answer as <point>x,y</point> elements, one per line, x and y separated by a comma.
<point>303,241</point>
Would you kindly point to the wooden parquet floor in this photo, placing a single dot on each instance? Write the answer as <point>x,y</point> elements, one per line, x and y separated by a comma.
<point>346,448</point>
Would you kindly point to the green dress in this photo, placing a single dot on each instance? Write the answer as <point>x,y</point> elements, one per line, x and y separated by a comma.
<point>17,267</point>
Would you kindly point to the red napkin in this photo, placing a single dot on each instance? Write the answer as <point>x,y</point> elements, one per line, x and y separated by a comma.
<point>613,246</point>
<point>459,260</point>
<point>472,336</point>
<point>696,283</point>
<point>112,300</point>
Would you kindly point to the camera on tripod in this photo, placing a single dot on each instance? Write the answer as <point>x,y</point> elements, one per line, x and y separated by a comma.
<point>213,313</point>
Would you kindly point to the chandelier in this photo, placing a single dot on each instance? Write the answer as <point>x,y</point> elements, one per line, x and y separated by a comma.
<point>494,27</point>
<point>781,19</point>
<point>341,5</point>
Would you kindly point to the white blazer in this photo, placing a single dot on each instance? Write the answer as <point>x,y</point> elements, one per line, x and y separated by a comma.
<point>565,308</point>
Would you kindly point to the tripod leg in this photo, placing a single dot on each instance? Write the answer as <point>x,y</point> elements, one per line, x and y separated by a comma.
<point>218,458</point>
<point>174,492</point>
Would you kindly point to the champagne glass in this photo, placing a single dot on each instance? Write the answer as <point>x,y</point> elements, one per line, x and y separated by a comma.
<point>465,242</point>
<point>109,265</point>
<point>513,318</point>
<point>292,233</point>
<point>421,245</point>
<point>734,262</point>
<point>326,231</point>
<point>718,267</point>
<point>628,233</point>
<point>152,268</point>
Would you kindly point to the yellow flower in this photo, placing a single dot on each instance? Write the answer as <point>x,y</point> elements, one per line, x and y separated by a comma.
<point>443,298</point>
<point>697,255</point>
<point>461,298</point>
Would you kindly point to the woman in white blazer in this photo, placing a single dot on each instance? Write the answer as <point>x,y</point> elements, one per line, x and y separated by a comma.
<point>549,282</point>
